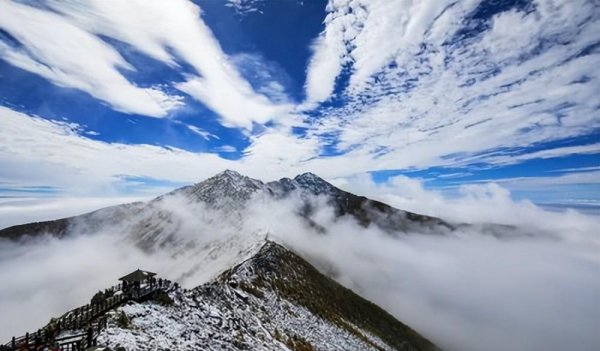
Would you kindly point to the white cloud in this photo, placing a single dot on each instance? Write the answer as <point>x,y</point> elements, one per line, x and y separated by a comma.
<point>549,153</point>
<point>439,121</point>
<point>15,211</point>
<point>245,7</point>
<point>475,203</point>
<point>464,290</point>
<point>425,99</point>
<point>403,25</point>
<point>355,32</point>
<point>239,109</point>
<point>36,151</point>
<point>226,148</point>
<point>577,169</point>
<point>89,65</point>
<point>282,152</point>
<point>267,77</point>
<point>203,133</point>
<point>330,50</point>
<point>51,153</point>
<point>175,31</point>
<point>580,177</point>
<point>165,32</point>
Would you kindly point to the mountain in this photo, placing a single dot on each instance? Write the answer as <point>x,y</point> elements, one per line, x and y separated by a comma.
<point>274,300</point>
<point>62,227</point>
<point>218,222</point>
<point>216,232</point>
<point>364,210</point>
<point>229,192</point>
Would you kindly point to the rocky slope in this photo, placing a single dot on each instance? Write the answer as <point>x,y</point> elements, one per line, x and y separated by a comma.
<point>273,301</point>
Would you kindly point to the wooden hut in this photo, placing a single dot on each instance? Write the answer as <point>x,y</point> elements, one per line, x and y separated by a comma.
<point>137,276</point>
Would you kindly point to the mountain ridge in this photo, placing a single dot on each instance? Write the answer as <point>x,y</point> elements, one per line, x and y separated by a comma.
<point>280,268</point>
<point>273,300</point>
<point>230,190</point>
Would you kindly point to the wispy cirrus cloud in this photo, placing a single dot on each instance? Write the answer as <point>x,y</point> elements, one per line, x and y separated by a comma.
<point>245,7</point>
<point>516,156</point>
<point>169,33</point>
<point>149,27</point>
<point>74,58</point>
<point>577,169</point>
<point>203,133</point>
<point>36,151</point>
<point>455,82</point>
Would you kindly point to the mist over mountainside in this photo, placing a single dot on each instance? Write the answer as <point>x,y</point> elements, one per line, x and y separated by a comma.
<point>209,225</point>
<point>229,191</point>
<point>451,281</point>
<point>219,220</point>
<point>272,301</point>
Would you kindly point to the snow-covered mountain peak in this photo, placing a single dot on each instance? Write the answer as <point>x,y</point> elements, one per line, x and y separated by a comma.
<point>231,174</point>
<point>315,184</point>
<point>309,178</point>
<point>230,186</point>
<point>232,177</point>
<point>227,187</point>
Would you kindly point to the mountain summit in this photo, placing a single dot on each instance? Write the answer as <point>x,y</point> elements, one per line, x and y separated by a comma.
<point>225,188</point>
<point>230,191</point>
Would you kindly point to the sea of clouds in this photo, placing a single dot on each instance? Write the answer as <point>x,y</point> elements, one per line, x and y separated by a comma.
<point>533,287</point>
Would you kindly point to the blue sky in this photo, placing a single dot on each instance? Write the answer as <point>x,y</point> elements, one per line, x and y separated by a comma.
<point>102,98</point>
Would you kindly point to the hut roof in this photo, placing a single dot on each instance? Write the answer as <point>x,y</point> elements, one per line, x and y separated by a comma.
<point>137,276</point>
